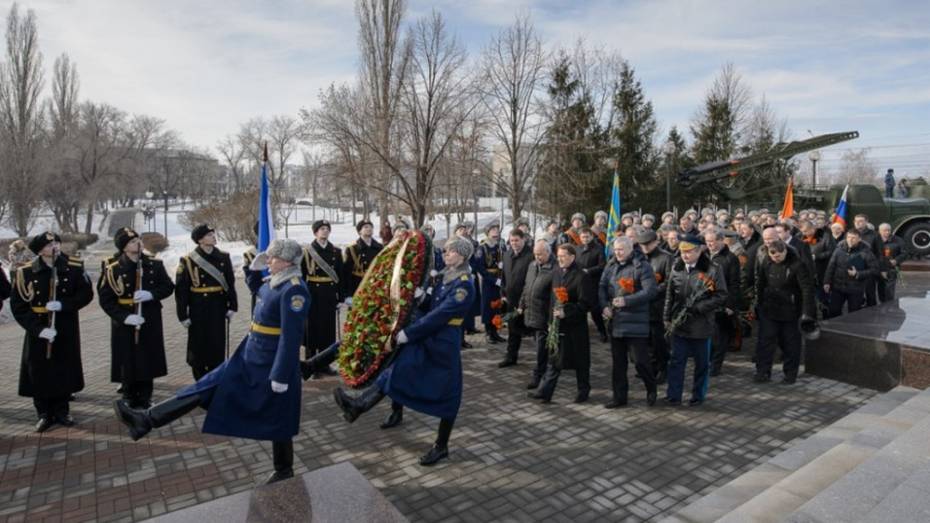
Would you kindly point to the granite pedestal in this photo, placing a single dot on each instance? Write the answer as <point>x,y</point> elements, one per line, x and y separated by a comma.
<point>338,493</point>
<point>878,347</point>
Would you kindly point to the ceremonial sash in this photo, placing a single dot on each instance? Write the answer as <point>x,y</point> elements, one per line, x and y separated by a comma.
<point>209,269</point>
<point>327,268</point>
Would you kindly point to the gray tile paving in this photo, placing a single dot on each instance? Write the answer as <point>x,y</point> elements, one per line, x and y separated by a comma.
<point>512,459</point>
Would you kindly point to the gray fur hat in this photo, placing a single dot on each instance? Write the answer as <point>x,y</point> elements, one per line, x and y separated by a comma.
<point>578,216</point>
<point>286,249</point>
<point>600,214</point>
<point>460,245</point>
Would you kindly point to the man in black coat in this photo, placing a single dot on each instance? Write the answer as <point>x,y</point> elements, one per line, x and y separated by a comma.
<point>358,258</point>
<point>536,302</point>
<point>48,294</point>
<point>322,270</point>
<point>591,260</point>
<point>206,300</point>
<point>254,279</point>
<point>570,304</point>
<point>786,234</point>
<point>696,291</point>
<point>725,318</point>
<point>850,269</point>
<point>870,238</point>
<point>784,293</point>
<point>132,300</point>
<point>661,263</point>
<point>890,259</point>
<point>517,260</point>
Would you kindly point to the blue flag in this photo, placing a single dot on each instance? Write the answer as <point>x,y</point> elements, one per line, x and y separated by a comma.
<point>265,216</point>
<point>613,218</point>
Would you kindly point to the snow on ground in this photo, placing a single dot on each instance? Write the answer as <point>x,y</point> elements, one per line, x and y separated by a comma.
<point>343,230</point>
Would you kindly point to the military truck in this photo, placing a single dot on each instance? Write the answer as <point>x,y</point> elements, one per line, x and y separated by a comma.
<point>909,217</point>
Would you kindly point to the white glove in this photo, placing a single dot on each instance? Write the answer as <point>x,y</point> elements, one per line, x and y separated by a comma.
<point>498,282</point>
<point>230,314</point>
<point>433,273</point>
<point>53,306</point>
<point>134,319</point>
<point>402,338</point>
<point>260,262</point>
<point>419,292</point>
<point>278,388</point>
<point>141,296</point>
<point>186,323</point>
<point>48,334</point>
<point>348,301</point>
<point>500,265</point>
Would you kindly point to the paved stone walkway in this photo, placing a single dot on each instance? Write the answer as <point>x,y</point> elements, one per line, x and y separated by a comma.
<point>512,458</point>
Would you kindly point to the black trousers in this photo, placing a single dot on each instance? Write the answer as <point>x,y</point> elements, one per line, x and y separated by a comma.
<point>620,350</point>
<point>138,393</point>
<point>542,353</point>
<point>599,322</point>
<point>870,292</point>
<point>554,369</point>
<point>886,289</point>
<point>659,345</point>
<point>784,334</point>
<point>49,407</point>
<point>724,331</point>
<point>514,338</point>
<point>838,297</point>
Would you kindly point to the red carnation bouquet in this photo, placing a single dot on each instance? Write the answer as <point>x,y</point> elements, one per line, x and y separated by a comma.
<point>382,306</point>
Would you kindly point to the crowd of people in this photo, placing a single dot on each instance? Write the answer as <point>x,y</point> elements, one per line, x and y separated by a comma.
<point>659,292</point>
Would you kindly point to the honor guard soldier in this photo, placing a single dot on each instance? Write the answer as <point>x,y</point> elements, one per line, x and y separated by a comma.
<point>489,262</point>
<point>468,327</point>
<point>253,278</point>
<point>131,293</point>
<point>358,258</point>
<point>47,295</point>
<point>205,295</point>
<point>321,268</point>
<point>573,234</point>
<point>256,393</point>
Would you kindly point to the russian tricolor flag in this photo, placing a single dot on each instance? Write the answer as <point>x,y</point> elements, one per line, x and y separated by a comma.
<point>265,212</point>
<point>839,215</point>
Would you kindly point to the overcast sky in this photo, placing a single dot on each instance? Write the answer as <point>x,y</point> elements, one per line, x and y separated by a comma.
<point>206,66</point>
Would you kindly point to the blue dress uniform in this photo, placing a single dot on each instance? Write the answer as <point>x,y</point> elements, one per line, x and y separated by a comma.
<point>238,395</point>
<point>253,279</point>
<point>489,261</point>
<point>426,375</point>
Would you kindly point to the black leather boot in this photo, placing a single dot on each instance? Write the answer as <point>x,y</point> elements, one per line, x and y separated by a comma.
<point>283,455</point>
<point>141,422</point>
<point>351,407</point>
<point>440,449</point>
<point>320,362</point>
<point>395,418</point>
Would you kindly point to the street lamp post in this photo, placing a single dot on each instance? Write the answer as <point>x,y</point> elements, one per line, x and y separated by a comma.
<point>814,157</point>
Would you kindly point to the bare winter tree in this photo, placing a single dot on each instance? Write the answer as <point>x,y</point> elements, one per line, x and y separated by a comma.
<point>857,167</point>
<point>233,155</point>
<point>62,110</point>
<point>385,56</point>
<point>513,71</point>
<point>21,83</point>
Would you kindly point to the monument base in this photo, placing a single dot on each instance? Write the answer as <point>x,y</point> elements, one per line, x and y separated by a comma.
<point>878,347</point>
<point>337,494</point>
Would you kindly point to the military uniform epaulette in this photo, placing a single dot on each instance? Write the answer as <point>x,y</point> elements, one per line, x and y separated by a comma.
<point>75,261</point>
<point>463,277</point>
<point>295,280</point>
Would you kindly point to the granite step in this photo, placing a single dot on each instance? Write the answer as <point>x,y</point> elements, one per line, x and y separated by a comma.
<point>878,411</point>
<point>876,489</point>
